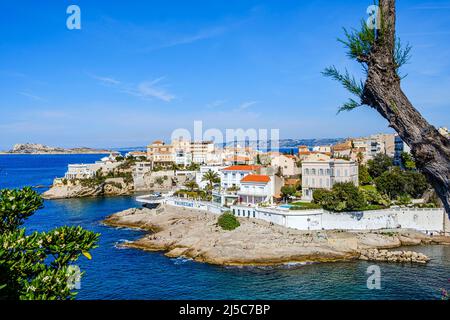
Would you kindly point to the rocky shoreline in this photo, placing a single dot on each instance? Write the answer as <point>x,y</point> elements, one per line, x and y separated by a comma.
<point>181,232</point>
<point>76,189</point>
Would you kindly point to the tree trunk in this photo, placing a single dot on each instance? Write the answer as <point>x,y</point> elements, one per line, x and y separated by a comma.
<point>383,92</point>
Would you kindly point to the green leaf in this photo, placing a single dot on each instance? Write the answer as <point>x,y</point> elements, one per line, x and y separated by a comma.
<point>87,255</point>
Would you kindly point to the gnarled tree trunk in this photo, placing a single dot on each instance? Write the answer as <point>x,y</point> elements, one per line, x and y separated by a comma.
<point>383,92</point>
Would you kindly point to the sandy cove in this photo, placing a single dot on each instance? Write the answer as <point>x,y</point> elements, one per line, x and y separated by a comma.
<point>182,232</point>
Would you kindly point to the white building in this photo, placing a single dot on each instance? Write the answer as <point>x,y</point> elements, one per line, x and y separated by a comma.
<point>256,189</point>
<point>81,171</point>
<point>287,165</point>
<point>231,177</point>
<point>201,150</point>
<point>322,149</point>
<point>375,144</point>
<point>204,169</point>
<point>323,174</point>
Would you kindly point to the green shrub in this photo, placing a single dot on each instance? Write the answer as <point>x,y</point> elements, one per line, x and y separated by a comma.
<point>228,221</point>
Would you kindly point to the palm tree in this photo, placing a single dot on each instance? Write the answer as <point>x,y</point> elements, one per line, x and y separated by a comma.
<point>174,167</point>
<point>191,185</point>
<point>212,178</point>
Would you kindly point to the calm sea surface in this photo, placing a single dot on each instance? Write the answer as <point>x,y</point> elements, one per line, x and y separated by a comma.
<point>132,274</point>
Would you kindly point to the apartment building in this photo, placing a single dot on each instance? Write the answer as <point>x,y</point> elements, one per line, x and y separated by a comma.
<point>201,150</point>
<point>160,154</point>
<point>400,147</point>
<point>230,177</point>
<point>323,174</point>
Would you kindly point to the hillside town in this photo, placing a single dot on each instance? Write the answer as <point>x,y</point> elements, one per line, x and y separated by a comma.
<point>369,169</point>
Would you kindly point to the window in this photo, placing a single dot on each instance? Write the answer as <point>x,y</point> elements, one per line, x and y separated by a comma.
<point>321,172</point>
<point>313,172</point>
<point>306,171</point>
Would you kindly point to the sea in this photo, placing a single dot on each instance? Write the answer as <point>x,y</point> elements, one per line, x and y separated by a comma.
<point>118,273</point>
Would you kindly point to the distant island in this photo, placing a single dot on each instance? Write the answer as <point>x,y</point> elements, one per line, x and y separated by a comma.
<point>34,148</point>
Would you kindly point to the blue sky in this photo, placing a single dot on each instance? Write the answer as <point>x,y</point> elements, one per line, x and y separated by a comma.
<point>139,69</point>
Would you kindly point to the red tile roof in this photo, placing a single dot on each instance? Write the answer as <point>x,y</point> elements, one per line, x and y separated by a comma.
<point>256,178</point>
<point>242,168</point>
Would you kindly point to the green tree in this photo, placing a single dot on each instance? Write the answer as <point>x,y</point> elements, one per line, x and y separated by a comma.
<point>397,183</point>
<point>288,191</point>
<point>408,161</point>
<point>159,181</point>
<point>175,168</point>
<point>37,266</point>
<point>373,197</point>
<point>191,185</point>
<point>258,159</point>
<point>193,167</point>
<point>379,164</point>
<point>211,178</point>
<point>359,157</point>
<point>228,221</point>
<point>364,176</point>
<point>380,53</point>
<point>342,197</point>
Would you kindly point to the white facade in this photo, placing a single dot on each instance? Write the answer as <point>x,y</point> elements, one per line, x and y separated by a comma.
<point>324,174</point>
<point>257,190</point>
<point>201,150</point>
<point>322,149</point>
<point>204,169</point>
<point>434,221</point>
<point>231,177</point>
<point>424,220</point>
<point>81,171</point>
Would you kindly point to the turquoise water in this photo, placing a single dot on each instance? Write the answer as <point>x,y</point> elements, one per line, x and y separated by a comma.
<point>115,273</point>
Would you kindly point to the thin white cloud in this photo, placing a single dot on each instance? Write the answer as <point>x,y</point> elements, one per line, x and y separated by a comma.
<point>105,80</point>
<point>148,89</point>
<point>199,36</point>
<point>31,96</point>
<point>216,104</point>
<point>247,105</point>
<point>145,89</point>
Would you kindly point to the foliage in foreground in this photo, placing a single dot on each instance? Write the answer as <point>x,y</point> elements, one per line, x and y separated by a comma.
<point>342,197</point>
<point>228,221</point>
<point>37,266</point>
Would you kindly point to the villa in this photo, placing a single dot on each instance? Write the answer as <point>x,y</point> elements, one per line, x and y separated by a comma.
<point>231,176</point>
<point>256,189</point>
<point>324,173</point>
<point>160,154</point>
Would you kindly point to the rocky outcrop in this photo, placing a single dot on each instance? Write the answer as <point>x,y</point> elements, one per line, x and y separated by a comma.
<point>78,189</point>
<point>393,256</point>
<point>34,148</point>
<point>182,232</point>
